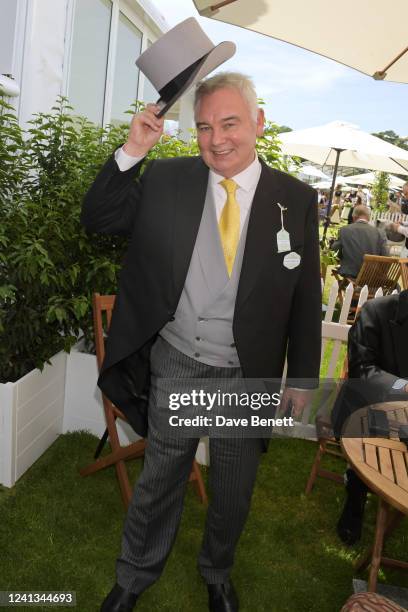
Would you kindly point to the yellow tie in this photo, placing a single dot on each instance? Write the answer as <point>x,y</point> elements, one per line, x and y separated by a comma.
<point>229,224</point>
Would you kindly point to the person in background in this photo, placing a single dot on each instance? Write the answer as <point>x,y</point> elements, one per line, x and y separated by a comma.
<point>404,199</point>
<point>347,208</point>
<point>360,194</point>
<point>337,197</point>
<point>368,196</point>
<point>393,205</point>
<point>377,372</point>
<point>335,211</point>
<point>351,202</point>
<point>401,228</point>
<point>322,204</point>
<point>324,200</point>
<point>356,240</point>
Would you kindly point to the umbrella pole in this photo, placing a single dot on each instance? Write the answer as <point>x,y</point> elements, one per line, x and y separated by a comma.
<point>329,205</point>
<point>397,162</point>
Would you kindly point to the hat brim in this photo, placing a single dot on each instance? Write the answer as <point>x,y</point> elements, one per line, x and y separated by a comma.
<point>217,56</point>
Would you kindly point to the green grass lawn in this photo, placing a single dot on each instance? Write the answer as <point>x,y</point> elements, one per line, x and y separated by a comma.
<point>59,531</point>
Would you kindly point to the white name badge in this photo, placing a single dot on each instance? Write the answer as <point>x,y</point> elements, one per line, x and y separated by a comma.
<point>291,260</point>
<point>283,240</point>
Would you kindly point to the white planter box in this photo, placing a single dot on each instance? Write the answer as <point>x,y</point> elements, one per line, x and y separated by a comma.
<point>31,416</point>
<point>36,409</point>
<point>83,408</point>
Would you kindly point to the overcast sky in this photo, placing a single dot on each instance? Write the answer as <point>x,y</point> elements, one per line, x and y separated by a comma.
<point>302,89</point>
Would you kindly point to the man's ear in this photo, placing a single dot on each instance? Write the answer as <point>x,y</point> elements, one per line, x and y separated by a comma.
<point>260,122</point>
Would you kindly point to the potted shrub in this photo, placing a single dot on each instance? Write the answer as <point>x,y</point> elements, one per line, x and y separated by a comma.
<point>48,269</point>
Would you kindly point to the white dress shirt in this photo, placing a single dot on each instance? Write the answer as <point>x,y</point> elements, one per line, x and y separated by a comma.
<point>247,182</point>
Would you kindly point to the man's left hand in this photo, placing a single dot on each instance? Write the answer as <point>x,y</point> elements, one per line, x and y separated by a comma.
<point>294,401</point>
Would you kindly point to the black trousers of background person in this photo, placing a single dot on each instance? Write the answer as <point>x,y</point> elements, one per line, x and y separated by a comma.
<point>155,510</point>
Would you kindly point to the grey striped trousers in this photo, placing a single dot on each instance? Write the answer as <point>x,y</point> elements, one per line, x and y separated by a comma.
<point>155,510</point>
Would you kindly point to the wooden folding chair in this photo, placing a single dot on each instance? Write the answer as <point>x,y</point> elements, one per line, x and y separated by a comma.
<point>376,271</point>
<point>102,314</point>
<point>404,272</point>
<point>336,334</point>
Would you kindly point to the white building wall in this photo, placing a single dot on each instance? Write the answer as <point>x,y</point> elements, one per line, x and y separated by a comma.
<point>35,48</point>
<point>43,56</point>
<point>8,24</point>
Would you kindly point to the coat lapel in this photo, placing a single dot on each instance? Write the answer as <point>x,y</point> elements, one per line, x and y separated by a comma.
<point>188,212</point>
<point>264,223</point>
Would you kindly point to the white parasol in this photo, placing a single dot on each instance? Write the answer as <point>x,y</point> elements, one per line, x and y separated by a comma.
<point>370,35</point>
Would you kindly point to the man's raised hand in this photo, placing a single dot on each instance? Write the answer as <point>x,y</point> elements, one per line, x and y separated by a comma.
<point>145,130</point>
<point>293,402</point>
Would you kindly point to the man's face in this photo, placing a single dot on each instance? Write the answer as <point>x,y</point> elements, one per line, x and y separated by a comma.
<point>405,191</point>
<point>227,132</point>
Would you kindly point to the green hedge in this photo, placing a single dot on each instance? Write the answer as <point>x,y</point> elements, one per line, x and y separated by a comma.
<point>49,266</point>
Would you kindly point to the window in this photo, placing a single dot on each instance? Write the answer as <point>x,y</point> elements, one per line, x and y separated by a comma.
<point>126,72</point>
<point>103,79</point>
<point>149,92</point>
<point>7,36</point>
<point>89,57</point>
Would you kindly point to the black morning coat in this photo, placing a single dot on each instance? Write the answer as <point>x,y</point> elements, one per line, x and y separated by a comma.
<point>377,355</point>
<point>277,309</point>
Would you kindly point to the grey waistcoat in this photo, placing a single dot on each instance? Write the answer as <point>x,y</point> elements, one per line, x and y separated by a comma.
<point>202,327</point>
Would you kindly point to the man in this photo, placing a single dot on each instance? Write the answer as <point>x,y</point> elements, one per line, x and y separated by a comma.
<point>208,290</point>
<point>404,199</point>
<point>356,240</point>
<point>378,372</point>
<point>360,194</point>
<point>402,228</point>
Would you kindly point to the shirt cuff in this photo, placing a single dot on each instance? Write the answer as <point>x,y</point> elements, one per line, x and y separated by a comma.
<point>399,384</point>
<point>125,161</point>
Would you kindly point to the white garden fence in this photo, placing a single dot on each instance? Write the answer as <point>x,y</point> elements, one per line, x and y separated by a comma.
<point>387,216</point>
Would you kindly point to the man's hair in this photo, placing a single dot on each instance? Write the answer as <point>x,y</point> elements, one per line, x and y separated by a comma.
<point>233,80</point>
<point>361,211</point>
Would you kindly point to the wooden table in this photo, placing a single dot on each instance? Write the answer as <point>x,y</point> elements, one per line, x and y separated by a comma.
<point>382,464</point>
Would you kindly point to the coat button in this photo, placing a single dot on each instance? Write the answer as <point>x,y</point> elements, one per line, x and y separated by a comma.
<point>231,363</point>
<point>198,338</point>
<point>196,354</point>
<point>172,319</point>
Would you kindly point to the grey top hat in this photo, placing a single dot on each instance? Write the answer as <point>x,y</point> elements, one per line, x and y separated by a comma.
<point>180,58</point>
